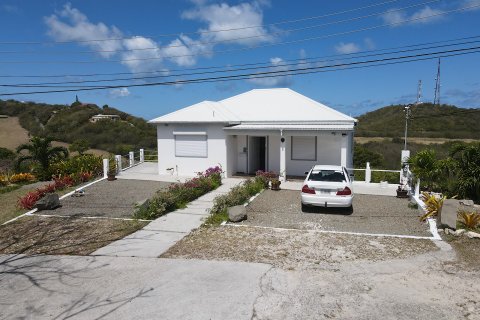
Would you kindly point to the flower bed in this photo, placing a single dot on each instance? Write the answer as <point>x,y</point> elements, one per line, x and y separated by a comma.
<point>59,183</point>
<point>238,195</point>
<point>178,195</point>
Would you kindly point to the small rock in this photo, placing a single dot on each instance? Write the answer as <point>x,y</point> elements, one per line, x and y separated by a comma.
<point>49,202</point>
<point>459,232</point>
<point>447,231</point>
<point>466,202</point>
<point>440,230</point>
<point>472,235</point>
<point>237,213</point>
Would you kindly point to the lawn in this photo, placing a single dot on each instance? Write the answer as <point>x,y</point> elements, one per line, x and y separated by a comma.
<point>52,235</point>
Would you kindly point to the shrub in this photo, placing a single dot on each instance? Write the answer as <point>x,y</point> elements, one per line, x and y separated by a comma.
<point>238,195</point>
<point>266,176</point>
<point>469,220</point>
<point>28,201</point>
<point>178,195</point>
<point>87,163</point>
<point>22,177</point>
<point>433,205</point>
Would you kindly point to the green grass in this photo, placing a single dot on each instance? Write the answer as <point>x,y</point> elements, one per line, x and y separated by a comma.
<point>9,188</point>
<point>217,218</point>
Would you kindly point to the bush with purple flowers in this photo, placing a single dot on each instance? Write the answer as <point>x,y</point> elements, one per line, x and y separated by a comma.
<point>178,195</point>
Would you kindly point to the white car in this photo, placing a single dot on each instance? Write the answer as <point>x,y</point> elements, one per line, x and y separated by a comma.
<point>327,186</point>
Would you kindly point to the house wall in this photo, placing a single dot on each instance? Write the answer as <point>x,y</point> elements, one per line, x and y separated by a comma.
<point>189,166</point>
<point>328,153</point>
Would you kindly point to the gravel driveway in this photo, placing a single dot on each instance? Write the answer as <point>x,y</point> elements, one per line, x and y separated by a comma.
<point>371,214</point>
<point>115,199</point>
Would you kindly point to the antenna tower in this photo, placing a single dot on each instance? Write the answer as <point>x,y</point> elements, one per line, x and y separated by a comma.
<point>436,100</point>
<point>419,92</point>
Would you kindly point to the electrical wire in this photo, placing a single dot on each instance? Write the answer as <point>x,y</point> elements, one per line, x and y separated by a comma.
<point>207,31</point>
<point>298,62</point>
<point>251,47</point>
<point>270,74</point>
<point>203,43</point>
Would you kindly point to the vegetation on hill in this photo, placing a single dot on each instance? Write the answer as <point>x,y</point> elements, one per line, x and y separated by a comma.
<point>443,121</point>
<point>71,123</point>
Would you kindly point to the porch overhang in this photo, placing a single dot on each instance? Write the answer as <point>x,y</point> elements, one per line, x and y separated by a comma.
<point>279,127</point>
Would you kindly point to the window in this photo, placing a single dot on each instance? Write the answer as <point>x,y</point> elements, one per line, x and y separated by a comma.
<point>191,145</point>
<point>327,176</point>
<point>304,148</point>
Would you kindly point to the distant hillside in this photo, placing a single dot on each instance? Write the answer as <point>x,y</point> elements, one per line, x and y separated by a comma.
<point>443,121</point>
<point>69,123</point>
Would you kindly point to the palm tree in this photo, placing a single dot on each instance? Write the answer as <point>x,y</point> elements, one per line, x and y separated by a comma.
<point>467,167</point>
<point>40,151</point>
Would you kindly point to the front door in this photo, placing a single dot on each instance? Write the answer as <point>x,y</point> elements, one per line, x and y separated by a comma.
<point>257,154</point>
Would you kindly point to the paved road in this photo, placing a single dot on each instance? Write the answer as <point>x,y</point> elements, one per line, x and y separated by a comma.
<point>61,287</point>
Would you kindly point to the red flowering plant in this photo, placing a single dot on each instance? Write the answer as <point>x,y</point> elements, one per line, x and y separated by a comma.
<point>266,176</point>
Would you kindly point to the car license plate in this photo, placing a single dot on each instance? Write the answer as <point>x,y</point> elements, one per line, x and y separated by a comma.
<point>324,191</point>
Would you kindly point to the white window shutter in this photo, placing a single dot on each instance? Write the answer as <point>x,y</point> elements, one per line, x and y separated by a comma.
<point>304,148</point>
<point>194,146</point>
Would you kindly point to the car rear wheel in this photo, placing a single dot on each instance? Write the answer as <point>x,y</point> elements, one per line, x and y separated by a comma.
<point>304,207</point>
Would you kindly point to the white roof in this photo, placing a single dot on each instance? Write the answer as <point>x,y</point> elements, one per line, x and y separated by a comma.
<point>293,126</point>
<point>281,105</point>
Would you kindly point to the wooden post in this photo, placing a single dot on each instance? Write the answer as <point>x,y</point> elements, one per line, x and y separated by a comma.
<point>105,168</point>
<point>118,163</point>
<point>131,160</point>
<point>142,155</point>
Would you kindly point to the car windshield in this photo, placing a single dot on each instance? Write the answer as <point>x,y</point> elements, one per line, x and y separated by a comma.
<point>326,175</point>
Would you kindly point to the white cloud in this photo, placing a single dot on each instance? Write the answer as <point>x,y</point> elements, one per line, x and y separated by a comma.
<point>369,43</point>
<point>119,93</point>
<point>471,3</point>
<point>347,48</point>
<point>9,8</point>
<point>422,16</point>
<point>427,15</point>
<point>225,17</point>
<point>141,60</point>
<point>70,24</point>
<point>277,81</point>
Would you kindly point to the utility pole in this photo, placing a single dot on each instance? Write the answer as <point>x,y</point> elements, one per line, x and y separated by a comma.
<point>436,100</point>
<point>419,92</point>
<point>407,116</point>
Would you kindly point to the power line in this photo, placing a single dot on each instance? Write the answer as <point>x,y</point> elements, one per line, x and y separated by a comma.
<point>297,62</point>
<point>202,43</point>
<point>349,55</point>
<point>271,73</point>
<point>251,47</point>
<point>208,31</point>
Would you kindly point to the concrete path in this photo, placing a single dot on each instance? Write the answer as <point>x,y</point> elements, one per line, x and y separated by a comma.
<point>66,287</point>
<point>162,233</point>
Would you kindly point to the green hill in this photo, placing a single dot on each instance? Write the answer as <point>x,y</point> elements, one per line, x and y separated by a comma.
<point>430,121</point>
<point>70,123</point>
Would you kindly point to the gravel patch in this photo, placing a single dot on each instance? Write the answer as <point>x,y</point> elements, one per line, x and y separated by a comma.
<point>114,199</point>
<point>290,249</point>
<point>371,214</point>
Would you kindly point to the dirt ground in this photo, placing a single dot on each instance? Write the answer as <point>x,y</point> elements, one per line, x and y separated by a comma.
<point>291,249</point>
<point>50,235</point>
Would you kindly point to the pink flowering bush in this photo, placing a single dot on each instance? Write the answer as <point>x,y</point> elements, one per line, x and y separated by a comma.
<point>266,176</point>
<point>178,195</point>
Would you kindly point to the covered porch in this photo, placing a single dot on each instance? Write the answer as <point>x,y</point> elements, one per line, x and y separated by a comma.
<point>289,150</point>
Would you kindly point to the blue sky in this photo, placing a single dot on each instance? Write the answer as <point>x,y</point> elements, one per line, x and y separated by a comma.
<point>144,24</point>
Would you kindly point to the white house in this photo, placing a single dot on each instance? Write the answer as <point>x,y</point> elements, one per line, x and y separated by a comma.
<point>263,129</point>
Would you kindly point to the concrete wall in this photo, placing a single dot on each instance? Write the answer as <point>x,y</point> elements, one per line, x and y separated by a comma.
<point>189,166</point>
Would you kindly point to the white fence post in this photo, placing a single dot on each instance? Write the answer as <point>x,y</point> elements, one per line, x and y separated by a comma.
<point>130,159</point>
<point>142,155</point>
<point>118,163</point>
<point>105,168</point>
<point>368,173</point>
<point>417,189</point>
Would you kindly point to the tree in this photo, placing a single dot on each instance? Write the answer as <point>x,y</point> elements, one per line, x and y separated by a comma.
<point>426,167</point>
<point>466,161</point>
<point>362,155</point>
<point>41,152</point>
<point>80,146</point>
